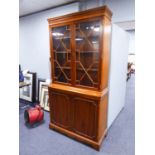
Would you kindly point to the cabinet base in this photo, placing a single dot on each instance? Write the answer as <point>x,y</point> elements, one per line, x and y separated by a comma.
<point>94,144</point>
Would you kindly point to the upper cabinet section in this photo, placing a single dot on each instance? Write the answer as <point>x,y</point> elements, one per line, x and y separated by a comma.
<point>79,44</point>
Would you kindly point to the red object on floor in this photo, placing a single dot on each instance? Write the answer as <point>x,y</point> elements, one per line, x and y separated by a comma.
<point>34,115</point>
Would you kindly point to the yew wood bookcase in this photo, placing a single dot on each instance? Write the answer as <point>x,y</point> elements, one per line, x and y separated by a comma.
<point>79,55</point>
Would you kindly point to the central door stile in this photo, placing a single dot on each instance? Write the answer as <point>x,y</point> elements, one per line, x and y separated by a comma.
<point>73,54</point>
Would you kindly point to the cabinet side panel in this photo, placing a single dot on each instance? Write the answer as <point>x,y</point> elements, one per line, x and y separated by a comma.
<point>102,117</point>
<point>105,53</point>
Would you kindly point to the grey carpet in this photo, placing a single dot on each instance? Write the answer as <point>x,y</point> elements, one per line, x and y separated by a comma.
<point>119,141</point>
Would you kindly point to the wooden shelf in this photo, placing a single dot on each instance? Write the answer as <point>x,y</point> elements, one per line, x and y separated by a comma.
<point>89,52</point>
<point>79,69</point>
<point>62,52</point>
<point>80,36</point>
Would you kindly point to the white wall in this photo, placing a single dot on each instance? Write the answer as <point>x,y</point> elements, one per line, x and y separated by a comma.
<point>131,42</point>
<point>118,70</point>
<point>34,40</point>
<point>123,10</point>
<point>88,4</point>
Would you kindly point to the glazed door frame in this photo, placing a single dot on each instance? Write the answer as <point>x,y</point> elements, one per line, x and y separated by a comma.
<point>100,50</point>
<point>52,52</point>
<point>73,50</point>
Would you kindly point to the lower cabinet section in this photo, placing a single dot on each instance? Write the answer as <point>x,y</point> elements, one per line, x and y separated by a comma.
<point>78,117</point>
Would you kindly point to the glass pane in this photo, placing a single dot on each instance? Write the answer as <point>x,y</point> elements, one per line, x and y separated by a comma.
<point>87,53</point>
<point>62,54</point>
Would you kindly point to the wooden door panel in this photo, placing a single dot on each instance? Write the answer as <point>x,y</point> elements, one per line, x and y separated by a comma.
<point>60,110</point>
<point>85,117</point>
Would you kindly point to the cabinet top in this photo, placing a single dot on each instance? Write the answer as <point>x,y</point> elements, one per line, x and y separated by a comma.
<point>82,92</point>
<point>99,11</point>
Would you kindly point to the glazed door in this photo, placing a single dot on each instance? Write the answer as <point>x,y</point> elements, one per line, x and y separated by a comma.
<point>88,37</point>
<point>61,54</point>
<point>85,117</point>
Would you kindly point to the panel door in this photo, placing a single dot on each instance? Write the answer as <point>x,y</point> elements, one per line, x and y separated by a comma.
<point>60,110</point>
<point>85,117</point>
<point>88,49</point>
<point>61,41</point>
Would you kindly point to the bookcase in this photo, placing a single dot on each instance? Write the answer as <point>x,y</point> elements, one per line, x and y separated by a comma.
<point>79,55</point>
